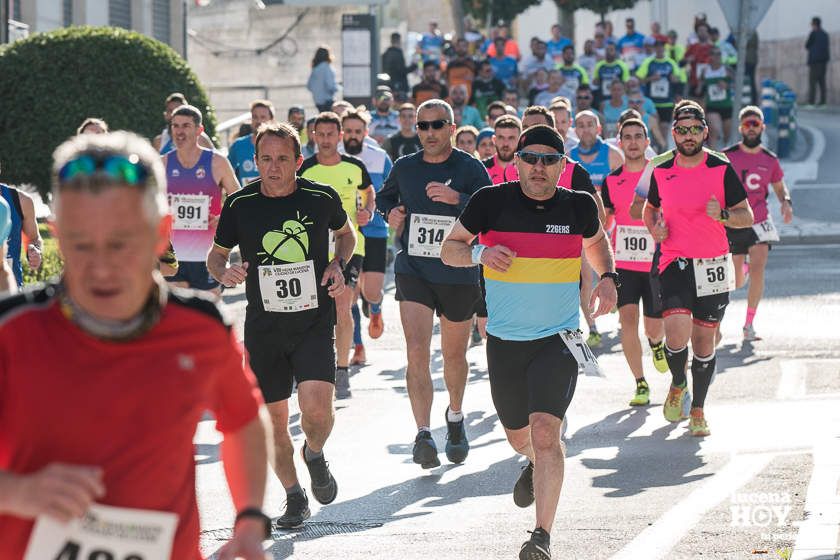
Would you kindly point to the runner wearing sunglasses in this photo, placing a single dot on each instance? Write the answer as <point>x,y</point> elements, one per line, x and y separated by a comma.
<point>421,199</point>
<point>758,169</point>
<point>699,193</point>
<point>531,236</point>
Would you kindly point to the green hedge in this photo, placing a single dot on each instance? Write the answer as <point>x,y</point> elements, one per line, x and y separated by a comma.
<point>51,262</point>
<point>50,82</point>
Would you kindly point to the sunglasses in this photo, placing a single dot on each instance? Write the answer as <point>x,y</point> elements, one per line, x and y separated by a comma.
<point>532,158</point>
<point>754,123</point>
<point>436,124</point>
<point>635,101</point>
<point>127,169</point>
<point>693,129</point>
<point>584,97</point>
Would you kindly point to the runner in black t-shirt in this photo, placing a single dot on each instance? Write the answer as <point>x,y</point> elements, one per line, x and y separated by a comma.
<point>281,224</point>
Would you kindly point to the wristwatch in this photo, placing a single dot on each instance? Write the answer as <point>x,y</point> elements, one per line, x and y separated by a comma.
<point>612,276</point>
<point>341,262</point>
<point>788,200</point>
<point>255,513</point>
<point>724,215</point>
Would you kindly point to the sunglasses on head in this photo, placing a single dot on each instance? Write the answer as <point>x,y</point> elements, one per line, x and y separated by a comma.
<point>693,129</point>
<point>127,169</point>
<point>754,123</point>
<point>436,124</point>
<point>532,158</point>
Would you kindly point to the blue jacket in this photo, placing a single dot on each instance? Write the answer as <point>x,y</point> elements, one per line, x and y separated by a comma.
<point>817,45</point>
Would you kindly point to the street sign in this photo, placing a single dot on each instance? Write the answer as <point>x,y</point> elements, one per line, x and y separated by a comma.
<point>732,12</point>
<point>358,57</point>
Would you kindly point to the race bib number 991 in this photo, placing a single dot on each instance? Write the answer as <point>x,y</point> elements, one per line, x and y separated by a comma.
<point>191,211</point>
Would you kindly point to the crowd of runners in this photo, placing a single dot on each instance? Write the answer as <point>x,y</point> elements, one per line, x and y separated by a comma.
<point>507,234</point>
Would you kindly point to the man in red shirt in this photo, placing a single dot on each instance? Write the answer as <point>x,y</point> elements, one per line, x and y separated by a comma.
<point>96,431</point>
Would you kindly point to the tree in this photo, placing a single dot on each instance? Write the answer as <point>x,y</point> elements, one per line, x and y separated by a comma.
<point>52,81</point>
<point>601,7</point>
<point>497,9</point>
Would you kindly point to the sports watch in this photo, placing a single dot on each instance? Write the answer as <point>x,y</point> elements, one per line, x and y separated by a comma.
<point>612,276</point>
<point>724,214</point>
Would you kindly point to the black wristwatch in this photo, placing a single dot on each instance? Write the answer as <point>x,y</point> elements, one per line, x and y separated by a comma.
<point>255,513</point>
<point>612,276</point>
<point>788,200</point>
<point>341,263</point>
<point>724,215</point>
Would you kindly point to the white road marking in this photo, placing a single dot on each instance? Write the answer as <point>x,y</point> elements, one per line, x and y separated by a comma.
<point>818,533</point>
<point>792,382</point>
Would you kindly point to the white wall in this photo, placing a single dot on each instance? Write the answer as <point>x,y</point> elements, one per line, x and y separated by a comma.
<point>50,15</point>
<point>536,21</point>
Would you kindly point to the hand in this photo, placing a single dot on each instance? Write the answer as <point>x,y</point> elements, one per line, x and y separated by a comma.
<point>235,275</point>
<point>363,217</point>
<point>334,278</point>
<point>498,258</point>
<point>246,542</point>
<point>606,295</point>
<point>59,490</point>
<point>660,231</point>
<point>787,212</point>
<point>713,208</point>
<point>33,255</point>
<point>213,221</point>
<point>439,192</point>
<point>396,217</point>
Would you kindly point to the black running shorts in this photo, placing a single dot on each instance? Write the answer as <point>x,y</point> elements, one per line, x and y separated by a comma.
<point>278,359</point>
<point>352,271</point>
<point>530,376</point>
<point>456,302</point>
<point>375,254</point>
<point>195,274</point>
<point>741,239</point>
<point>679,295</point>
<point>636,285</point>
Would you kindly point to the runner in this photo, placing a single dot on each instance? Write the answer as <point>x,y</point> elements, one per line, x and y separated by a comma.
<point>561,108</point>
<point>531,235</point>
<point>405,141</point>
<point>7,279</point>
<point>758,168</point>
<point>484,143</point>
<point>634,249</point>
<point>282,224</point>
<point>607,71</point>
<point>350,178</point>
<point>699,193</point>
<point>149,362</point>
<point>241,153</point>
<point>23,224</point>
<point>663,80</point>
<point>717,80</point>
<point>163,142</point>
<point>466,139</point>
<point>424,193</point>
<point>506,132</point>
<point>385,122</point>
<point>196,179</point>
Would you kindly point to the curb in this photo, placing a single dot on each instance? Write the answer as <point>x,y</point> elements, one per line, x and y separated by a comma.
<point>809,240</point>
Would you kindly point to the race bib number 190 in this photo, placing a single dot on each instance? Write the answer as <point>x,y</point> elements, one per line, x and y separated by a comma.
<point>104,533</point>
<point>426,234</point>
<point>714,276</point>
<point>633,244</point>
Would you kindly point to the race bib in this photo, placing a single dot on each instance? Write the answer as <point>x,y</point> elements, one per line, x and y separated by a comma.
<point>605,86</point>
<point>426,234</point>
<point>104,533</point>
<point>191,211</point>
<point>580,350</point>
<point>633,244</point>
<point>766,231</point>
<point>286,288</point>
<point>331,244</point>
<point>571,83</point>
<point>714,276</point>
<point>660,88</point>
<point>717,93</point>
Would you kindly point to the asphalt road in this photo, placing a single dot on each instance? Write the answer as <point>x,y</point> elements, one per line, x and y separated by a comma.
<point>763,485</point>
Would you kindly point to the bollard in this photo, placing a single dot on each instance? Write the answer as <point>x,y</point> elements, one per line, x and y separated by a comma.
<point>790,100</point>
<point>769,105</point>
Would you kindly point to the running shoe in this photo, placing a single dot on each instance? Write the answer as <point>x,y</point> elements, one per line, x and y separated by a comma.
<point>376,326</point>
<point>537,547</point>
<point>342,384</point>
<point>425,451</point>
<point>594,339</point>
<point>359,357</point>
<point>697,425</point>
<point>457,446</point>
<point>523,490</point>
<point>324,486</point>
<point>297,511</point>
<point>659,360</point>
<point>365,308</point>
<point>642,396</point>
<point>749,334</point>
<point>677,404</point>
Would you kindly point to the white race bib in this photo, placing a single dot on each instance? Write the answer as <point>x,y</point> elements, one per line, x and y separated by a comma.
<point>286,288</point>
<point>426,234</point>
<point>766,230</point>
<point>714,276</point>
<point>580,350</point>
<point>105,533</point>
<point>659,88</point>
<point>331,244</point>
<point>605,86</point>
<point>633,244</point>
<point>191,211</point>
<point>717,93</point>
<point>571,83</point>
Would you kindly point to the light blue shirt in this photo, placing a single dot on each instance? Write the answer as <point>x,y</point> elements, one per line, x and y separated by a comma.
<point>322,83</point>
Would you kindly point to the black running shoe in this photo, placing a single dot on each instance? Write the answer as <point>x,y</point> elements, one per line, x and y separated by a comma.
<point>324,486</point>
<point>523,490</point>
<point>537,547</point>
<point>457,446</point>
<point>297,511</point>
<point>425,451</point>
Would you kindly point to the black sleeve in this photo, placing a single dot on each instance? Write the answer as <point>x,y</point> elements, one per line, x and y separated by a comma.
<point>605,195</point>
<point>366,180</point>
<point>581,181</point>
<point>389,197</point>
<point>653,192</point>
<point>338,217</point>
<point>226,234</point>
<point>588,213</point>
<point>733,189</point>
<point>444,92</point>
<point>474,216</point>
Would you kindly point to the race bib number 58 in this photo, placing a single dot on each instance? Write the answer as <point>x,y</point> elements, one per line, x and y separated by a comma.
<point>105,533</point>
<point>714,276</point>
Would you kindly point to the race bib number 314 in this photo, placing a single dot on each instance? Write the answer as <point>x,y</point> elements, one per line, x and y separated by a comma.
<point>426,234</point>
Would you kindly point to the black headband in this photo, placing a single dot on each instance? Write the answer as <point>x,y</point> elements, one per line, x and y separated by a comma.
<point>690,112</point>
<point>541,134</point>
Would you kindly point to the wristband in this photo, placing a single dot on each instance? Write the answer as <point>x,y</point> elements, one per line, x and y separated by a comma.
<point>612,276</point>
<point>477,251</point>
<point>255,513</point>
<point>724,215</point>
<point>788,200</point>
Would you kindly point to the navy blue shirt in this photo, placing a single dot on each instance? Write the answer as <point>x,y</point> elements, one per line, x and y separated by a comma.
<point>406,185</point>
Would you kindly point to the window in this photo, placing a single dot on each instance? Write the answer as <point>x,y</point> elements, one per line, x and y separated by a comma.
<point>67,14</point>
<point>16,10</point>
<point>160,20</point>
<point>119,13</point>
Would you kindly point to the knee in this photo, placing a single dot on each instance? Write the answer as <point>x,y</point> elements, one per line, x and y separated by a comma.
<point>545,436</point>
<point>455,356</point>
<point>317,416</point>
<point>417,353</point>
<point>519,442</point>
<point>280,431</point>
<point>629,321</point>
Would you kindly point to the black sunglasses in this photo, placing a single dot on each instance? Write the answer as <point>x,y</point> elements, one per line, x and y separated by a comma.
<point>436,124</point>
<point>532,158</point>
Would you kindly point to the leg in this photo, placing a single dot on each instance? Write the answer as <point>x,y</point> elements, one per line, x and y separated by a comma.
<point>344,326</point>
<point>316,412</point>
<point>628,315</point>
<point>587,278</point>
<point>812,83</point>
<point>740,276</point>
<point>758,262</point>
<point>677,333</point>
<point>482,326</point>
<point>417,322</point>
<point>372,283</point>
<point>520,441</point>
<point>821,68</point>
<point>455,339</point>
<point>727,131</point>
<point>654,329</point>
<point>548,466</point>
<point>703,363</point>
<point>715,126</point>
<point>284,464</point>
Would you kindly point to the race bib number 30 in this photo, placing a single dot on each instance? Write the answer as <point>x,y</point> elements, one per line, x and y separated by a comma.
<point>191,211</point>
<point>766,231</point>
<point>104,533</point>
<point>426,234</point>
<point>633,244</point>
<point>581,352</point>
<point>714,276</point>
<point>286,288</point>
